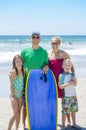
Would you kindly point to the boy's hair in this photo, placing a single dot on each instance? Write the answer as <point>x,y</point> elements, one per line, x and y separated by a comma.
<point>14,66</point>
<point>66,61</point>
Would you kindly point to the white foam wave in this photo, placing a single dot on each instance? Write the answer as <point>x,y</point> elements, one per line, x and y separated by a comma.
<point>80,52</point>
<point>7,56</point>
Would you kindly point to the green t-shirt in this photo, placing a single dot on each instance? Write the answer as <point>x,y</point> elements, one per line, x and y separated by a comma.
<point>34,58</point>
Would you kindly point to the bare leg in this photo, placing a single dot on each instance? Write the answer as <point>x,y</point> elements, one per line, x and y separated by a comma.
<point>68,119</point>
<point>73,114</point>
<point>13,103</point>
<point>11,122</point>
<point>63,119</point>
<point>18,110</point>
<point>23,115</point>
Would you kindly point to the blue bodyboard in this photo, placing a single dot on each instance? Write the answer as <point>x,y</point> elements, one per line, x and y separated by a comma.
<point>41,101</point>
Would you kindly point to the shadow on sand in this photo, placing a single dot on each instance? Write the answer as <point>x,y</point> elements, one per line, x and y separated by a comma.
<point>81,128</point>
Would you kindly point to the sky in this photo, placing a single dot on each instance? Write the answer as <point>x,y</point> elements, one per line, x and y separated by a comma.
<point>63,17</point>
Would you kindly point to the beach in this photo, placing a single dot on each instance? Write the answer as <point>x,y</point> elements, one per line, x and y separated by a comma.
<point>9,46</point>
<point>81,95</point>
<point>6,110</point>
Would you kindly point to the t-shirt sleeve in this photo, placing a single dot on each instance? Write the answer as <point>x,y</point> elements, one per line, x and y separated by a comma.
<point>61,79</point>
<point>46,58</point>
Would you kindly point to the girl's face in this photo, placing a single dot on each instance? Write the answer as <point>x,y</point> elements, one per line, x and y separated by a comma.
<point>67,66</point>
<point>35,39</point>
<point>18,63</point>
<point>55,44</point>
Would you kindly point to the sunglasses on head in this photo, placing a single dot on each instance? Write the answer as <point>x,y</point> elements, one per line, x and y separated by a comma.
<point>34,37</point>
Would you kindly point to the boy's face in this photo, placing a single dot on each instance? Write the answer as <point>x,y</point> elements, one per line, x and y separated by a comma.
<point>35,39</point>
<point>67,66</point>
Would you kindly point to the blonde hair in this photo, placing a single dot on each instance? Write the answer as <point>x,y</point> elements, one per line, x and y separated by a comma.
<point>66,61</point>
<point>57,39</point>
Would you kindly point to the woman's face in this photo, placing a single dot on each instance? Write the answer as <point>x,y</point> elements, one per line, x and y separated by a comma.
<point>55,44</point>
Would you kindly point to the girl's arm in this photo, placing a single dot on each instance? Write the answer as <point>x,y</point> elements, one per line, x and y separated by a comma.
<point>11,82</point>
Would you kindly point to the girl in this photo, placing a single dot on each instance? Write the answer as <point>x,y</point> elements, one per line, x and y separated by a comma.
<point>16,88</point>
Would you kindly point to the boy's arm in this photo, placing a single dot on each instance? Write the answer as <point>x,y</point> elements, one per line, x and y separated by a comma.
<point>64,85</point>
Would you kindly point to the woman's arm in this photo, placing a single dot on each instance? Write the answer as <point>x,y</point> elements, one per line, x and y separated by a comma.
<point>75,80</point>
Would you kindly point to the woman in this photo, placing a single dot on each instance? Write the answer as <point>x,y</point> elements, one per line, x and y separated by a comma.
<point>56,57</point>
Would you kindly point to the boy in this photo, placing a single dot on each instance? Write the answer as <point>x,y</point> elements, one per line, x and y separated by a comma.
<point>67,82</point>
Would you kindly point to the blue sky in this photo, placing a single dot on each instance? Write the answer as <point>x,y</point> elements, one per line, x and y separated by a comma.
<point>63,17</point>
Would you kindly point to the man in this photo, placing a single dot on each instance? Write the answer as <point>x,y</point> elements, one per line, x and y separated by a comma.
<point>34,57</point>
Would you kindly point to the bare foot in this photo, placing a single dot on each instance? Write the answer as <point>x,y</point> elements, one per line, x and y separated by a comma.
<point>69,125</point>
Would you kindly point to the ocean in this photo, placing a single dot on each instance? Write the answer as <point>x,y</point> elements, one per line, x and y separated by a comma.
<point>12,45</point>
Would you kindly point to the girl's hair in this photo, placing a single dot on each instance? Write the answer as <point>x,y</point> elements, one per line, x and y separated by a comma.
<point>14,66</point>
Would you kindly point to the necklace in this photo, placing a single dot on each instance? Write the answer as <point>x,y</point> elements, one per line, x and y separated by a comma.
<point>56,55</point>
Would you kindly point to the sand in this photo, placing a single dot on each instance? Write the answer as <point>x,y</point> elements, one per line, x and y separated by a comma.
<point>81,96</point>
<point>6,110</point>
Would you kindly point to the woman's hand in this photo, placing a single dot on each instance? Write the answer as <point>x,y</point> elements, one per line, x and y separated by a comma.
<point>74,79</point>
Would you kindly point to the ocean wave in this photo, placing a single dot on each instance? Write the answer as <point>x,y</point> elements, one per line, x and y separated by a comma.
<point>78,52</point>
<point>8,55</point>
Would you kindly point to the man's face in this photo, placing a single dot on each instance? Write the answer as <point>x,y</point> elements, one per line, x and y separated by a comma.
<point>35,39</point>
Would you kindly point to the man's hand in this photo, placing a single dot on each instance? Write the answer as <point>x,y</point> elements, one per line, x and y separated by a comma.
<point>45,69</point>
